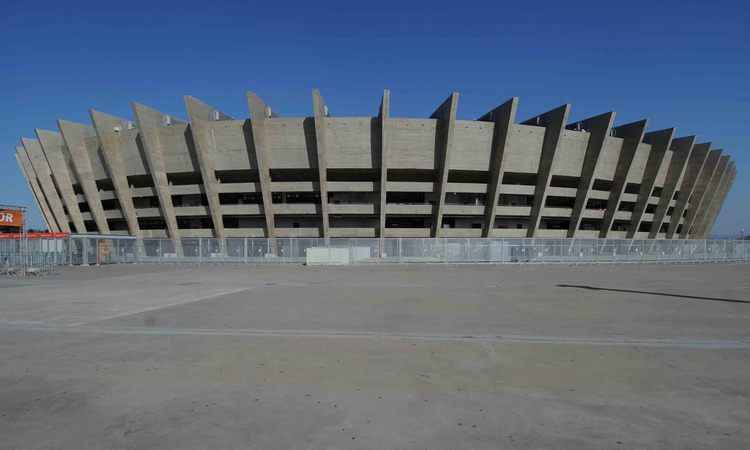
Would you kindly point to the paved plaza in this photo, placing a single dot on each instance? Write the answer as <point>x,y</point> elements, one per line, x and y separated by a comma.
<point>392,356</point>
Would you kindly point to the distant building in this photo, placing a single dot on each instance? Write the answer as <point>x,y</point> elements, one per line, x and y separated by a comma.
<point>380,176</point>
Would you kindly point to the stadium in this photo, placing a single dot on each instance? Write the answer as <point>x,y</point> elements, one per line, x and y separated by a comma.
<point>322,176</point>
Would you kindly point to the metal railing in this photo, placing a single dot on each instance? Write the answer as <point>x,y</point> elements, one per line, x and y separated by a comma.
<point>103,250</point>
<point>21,257</point>
<point>96,249</point>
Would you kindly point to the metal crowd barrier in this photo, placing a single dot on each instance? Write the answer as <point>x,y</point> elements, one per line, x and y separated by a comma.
<point>22,257</point>
<point>102,250</point>
<point>96,249</point>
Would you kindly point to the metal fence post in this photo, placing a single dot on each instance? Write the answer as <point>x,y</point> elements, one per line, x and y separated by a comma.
<point>85,252</point>
<point>706,256</point>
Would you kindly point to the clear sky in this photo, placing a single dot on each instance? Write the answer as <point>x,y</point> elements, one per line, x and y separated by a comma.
<point>678,63</point>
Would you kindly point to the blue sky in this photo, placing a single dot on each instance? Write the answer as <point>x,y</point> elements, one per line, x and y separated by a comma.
<point>684,64</point>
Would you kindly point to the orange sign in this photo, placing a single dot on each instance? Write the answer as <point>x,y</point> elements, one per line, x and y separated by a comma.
<point>11,218</point>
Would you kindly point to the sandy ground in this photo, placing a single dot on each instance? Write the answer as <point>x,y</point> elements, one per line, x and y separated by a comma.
<point>414,357</point>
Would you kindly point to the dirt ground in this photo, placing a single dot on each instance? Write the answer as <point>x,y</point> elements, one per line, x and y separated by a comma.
<point>409,357</point>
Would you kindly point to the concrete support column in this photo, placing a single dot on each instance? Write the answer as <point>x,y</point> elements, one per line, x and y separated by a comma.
<point>720,203</point>
<point>696,200</point>
<point>694,166</point>
<point>445,115</point>
<point>554,122</point>
<point>43,174</point>
<point>632,135</point>
<point>110,131</point>
<point>150,121</point>
<point>681,149</point>
<point>504,116</point>
<point>700,210</point>
<point>700,227</point>
<point>36,190</point>
<point>75,136</point>
<point>202,118</point>
<point>257,143</point>
<point>320,111</point>
<point>701,224</point>
<point>33,191</point>
<point>383,119</point>
<point>660,141</point>
<point>599,128</point>
<point>57,155</point>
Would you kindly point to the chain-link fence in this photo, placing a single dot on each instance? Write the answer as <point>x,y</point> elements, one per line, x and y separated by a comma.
<point>93,249</point>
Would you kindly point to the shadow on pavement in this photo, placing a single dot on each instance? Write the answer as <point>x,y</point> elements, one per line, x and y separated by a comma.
<point>664,294</point>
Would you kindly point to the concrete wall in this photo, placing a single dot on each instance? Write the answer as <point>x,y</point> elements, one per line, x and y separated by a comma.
<point>441,175</point>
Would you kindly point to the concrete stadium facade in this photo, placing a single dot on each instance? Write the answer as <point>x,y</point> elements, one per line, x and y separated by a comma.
<point>382,176</point>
